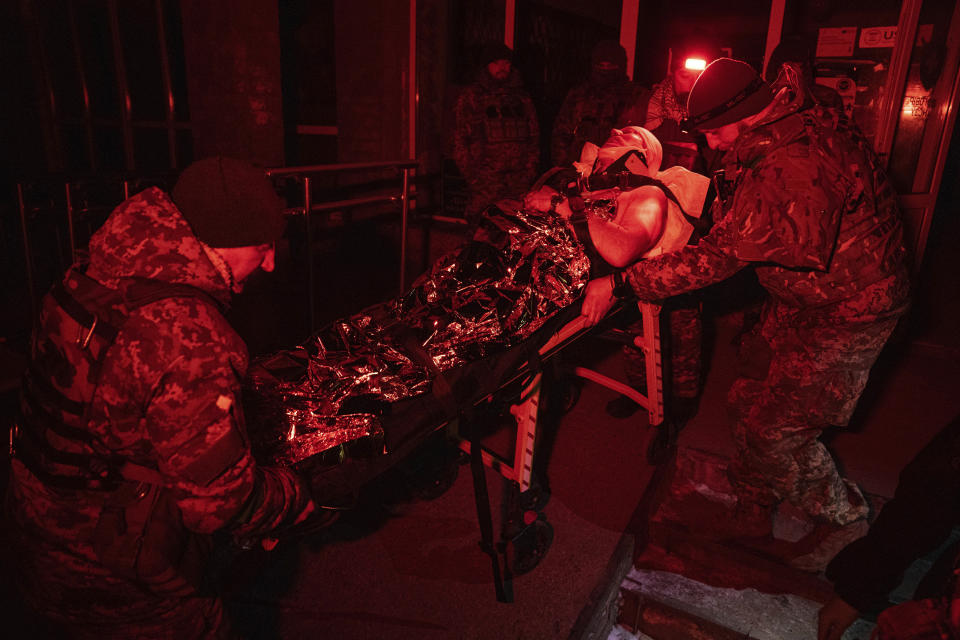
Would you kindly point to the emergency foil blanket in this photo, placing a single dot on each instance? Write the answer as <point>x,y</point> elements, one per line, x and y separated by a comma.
<point>518,270</point>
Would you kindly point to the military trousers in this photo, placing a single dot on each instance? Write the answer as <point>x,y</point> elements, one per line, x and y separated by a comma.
<point>683,349</point>
<point>806,372</point>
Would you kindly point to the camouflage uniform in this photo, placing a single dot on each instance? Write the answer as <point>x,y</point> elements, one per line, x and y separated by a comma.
<point>497,142</point>
<point>813,214</point>
<point>588,113</point>
<point>684,351</point>
<point>660,112</point>
<point>166,399</point>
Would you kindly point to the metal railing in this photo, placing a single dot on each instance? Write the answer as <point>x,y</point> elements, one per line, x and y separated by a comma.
<point>304,173</point>
<point>77,210</point>
<point>60,193</point>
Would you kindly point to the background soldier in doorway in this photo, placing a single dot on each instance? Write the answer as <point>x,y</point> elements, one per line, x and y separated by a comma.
<point>497,139</point>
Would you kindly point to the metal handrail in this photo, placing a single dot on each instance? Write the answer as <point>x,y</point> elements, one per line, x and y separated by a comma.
<point>305,171</point>
<point>345,166</point>
<point>341,204</point>
<point>126,179</point>
<point>65,181</point>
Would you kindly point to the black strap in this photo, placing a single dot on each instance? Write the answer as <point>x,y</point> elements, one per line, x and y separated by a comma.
<point>626,181</point>
<point>143,291</point>
<point>93,304</point>
<point>706,216</point>
<point>33,456</point>
<point>556,178</point>
<point>40,388</point>
<point>103,311</point>
<point>83,316</point>
<point>441,389</point>
<point>504,587</point>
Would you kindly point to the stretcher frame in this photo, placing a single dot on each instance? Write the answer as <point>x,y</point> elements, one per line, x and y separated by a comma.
<point>525,412</point>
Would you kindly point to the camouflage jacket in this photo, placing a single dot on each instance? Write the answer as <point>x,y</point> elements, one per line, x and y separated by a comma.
<point>810,209</point>
<point>496,129</point>
<point>168,393</point>
<point>588,113</point>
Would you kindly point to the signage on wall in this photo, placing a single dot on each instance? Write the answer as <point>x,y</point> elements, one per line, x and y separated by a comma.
<point>836,42</point>
<point>877,37</point>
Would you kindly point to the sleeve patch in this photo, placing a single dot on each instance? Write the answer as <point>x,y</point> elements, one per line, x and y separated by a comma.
<point>214,462</point>
<point>224,402</point>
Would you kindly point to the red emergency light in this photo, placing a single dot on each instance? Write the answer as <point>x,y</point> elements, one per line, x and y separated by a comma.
<point>695,64</point>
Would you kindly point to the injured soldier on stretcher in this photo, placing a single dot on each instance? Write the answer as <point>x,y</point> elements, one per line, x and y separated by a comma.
<point>399,365</point>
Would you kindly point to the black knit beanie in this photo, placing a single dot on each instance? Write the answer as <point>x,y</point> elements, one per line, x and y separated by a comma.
<point>609,51</point>
<point>728,90</point>
<point>493,51</point>
<point>229,203</point>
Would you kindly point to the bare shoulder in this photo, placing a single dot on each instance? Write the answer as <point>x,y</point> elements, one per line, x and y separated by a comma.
<point>643,206</point>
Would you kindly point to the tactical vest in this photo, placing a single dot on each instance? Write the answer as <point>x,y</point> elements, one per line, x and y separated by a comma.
<point>80,321</point>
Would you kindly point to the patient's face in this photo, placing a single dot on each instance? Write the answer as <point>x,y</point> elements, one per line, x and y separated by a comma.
<point>627,137</point>
<point>620,142</point>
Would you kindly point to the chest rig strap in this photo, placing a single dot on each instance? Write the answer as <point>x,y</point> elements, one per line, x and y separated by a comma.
<point>51,436</point>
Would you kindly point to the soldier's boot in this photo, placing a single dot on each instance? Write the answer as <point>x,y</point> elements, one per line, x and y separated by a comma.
<point>742,516</point>
<point>825,542</point>
<point>747,523</point>
<point>815,551</point>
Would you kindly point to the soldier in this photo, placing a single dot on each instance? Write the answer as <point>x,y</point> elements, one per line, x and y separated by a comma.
<point>811,211</point>
<point>664,107</point>
<point>497,141</point>
<point>132,448</point>
<point>591,109</point>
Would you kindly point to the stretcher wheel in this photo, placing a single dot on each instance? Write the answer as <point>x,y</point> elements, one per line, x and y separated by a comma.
<point>663,442</point>
<point>530,546</point>
<point>535,498</point>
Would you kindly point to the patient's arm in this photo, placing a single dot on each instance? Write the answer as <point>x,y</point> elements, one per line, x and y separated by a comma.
<point>640,221</point>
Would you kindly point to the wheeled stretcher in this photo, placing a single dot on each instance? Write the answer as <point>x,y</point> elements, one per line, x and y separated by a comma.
<point>467,400</point>
<point>525,412</point>
<point>525,534</point>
